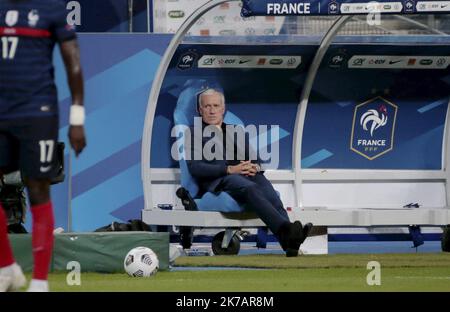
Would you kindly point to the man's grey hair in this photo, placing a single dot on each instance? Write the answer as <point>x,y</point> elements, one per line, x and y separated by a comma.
<point>211,92</point>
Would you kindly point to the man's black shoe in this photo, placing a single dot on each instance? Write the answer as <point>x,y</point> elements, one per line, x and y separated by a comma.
<point>289,234</point>
<point>306,230</point>
<point>291,252</point>
<point>292,235</point>
<point>299,234</point>
<point>295,238</point>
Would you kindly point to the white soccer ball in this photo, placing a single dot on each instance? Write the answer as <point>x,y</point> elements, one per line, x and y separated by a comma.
<point>141,262</point>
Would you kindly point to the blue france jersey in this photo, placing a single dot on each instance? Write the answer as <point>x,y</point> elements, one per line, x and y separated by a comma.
<point>29,30</point>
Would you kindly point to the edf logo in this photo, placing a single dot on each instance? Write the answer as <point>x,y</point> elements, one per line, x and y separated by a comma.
<point>373,128</point>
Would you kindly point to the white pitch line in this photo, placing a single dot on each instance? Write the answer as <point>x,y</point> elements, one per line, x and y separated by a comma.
<point>424,277</point>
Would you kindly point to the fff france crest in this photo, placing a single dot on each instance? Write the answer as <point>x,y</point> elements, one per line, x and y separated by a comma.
<point>373,128</point>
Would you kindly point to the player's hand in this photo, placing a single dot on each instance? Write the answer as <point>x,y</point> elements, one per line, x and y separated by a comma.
<point>237,169</point>
<point>243,168</point>
<point>77,139</point>
<point>250,169</point>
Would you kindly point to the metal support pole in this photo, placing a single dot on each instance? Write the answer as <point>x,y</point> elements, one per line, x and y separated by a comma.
<point>301,110</point>
<point>130,16</point>
<point>446,155</point>
<point>154,94</point>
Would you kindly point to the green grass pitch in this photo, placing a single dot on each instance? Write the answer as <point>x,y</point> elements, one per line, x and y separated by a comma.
<point>399,272</point>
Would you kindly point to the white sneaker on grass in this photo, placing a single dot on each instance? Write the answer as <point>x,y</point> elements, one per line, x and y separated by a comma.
<point>38,286</point>
<point>11,278</point>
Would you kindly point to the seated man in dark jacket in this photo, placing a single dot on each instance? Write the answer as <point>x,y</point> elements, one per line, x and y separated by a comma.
<point>219,165</point>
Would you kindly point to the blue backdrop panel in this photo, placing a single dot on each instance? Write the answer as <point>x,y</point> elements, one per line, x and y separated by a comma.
<point>109,15</point>
<point>338,7</point>
<point>420,95</point>
<point>106,184</point>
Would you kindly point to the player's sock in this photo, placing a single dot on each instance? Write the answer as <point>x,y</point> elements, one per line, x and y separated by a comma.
<point>42,239</point>
<point>6,255</point>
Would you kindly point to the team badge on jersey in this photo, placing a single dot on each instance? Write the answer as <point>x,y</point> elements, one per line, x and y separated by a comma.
<point>33,18</point>
<point>12,18</point>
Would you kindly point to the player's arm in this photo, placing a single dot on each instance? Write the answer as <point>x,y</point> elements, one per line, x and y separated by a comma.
<point>71,56</point>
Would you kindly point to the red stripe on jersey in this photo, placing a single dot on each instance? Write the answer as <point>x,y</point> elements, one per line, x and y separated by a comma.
<point>24,32</point>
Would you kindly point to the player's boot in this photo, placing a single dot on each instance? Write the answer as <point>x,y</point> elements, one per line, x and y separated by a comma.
<point>11,278</point>
<point>38,286</point>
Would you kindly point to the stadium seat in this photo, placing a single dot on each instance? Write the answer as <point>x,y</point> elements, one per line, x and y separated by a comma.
<point>185,111</point>
<point>184,114</point>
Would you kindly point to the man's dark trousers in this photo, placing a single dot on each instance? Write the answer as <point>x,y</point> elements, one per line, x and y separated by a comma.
<point>259,195</point>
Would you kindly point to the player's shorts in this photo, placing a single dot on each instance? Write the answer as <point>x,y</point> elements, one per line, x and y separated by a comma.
<point>29,145</point>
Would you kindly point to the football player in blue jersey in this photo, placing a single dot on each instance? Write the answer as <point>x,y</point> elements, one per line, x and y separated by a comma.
<point>29,122</point>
